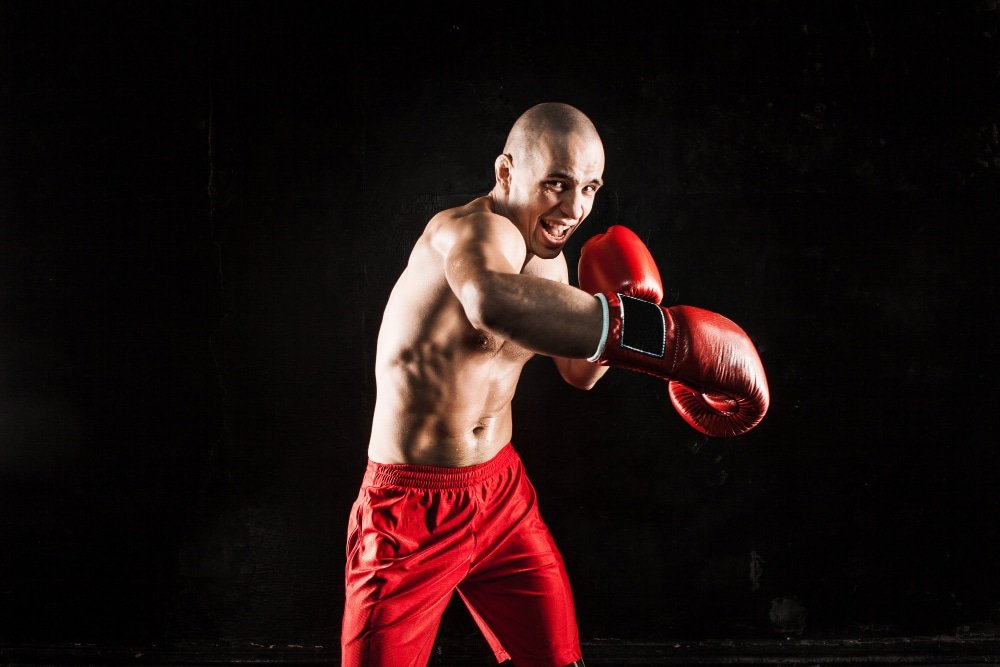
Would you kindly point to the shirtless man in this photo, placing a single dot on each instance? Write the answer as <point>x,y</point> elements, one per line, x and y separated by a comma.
<point>445,504</point>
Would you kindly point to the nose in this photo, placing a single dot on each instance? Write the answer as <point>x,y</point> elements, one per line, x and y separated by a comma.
<point>573,204</point>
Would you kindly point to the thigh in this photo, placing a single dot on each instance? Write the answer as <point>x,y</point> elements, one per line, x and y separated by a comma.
<point>521,598</point>
<point>403,564</point>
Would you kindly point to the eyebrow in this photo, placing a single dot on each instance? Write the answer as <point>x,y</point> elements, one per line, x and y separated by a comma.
<point>567,177</point>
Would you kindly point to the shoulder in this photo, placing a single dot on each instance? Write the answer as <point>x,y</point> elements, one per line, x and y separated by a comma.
<point>474,225</point>
<point>553,269</point>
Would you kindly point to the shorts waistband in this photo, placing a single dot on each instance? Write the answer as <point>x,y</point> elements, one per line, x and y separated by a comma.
<point>439,477</point>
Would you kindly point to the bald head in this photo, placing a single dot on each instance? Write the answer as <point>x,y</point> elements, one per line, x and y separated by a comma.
<point>548,175</point>
<point>548,123</point>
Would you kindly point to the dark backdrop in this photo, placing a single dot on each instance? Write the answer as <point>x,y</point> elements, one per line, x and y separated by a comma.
<point>205,204</point>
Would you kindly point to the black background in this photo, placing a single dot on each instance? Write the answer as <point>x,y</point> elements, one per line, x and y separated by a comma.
<point>205,204</point>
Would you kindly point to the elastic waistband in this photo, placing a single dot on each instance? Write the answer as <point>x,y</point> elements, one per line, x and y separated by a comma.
<point>439,477</point>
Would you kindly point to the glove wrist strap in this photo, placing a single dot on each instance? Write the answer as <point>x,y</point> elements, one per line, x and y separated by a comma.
<point>605,325</point>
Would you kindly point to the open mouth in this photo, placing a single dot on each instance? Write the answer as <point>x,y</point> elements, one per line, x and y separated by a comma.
<point>555,232</point>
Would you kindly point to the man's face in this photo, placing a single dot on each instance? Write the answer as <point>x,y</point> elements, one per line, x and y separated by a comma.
<point>552,191</point>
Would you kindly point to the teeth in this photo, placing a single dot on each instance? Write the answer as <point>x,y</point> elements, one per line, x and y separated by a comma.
<point>557,231</point>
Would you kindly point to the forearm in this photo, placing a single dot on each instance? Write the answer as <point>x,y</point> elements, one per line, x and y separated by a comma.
<point>544,316</point>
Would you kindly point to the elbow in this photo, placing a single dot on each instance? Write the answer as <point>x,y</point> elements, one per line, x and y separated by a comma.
<point>582,375</point>
<point>582,385</point>
<point>483,310</point>
<point>478,308</point>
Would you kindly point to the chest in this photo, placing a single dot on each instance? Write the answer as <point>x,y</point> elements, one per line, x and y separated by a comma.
<point>485,345</point>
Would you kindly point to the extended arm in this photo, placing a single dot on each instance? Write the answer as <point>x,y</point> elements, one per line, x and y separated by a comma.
<point>483,258</point>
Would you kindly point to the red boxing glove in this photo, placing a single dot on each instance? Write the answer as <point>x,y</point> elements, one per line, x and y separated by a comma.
<point>618,261</point>
<point>716,381</point>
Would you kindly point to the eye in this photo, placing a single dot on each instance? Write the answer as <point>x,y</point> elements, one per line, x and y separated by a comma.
<point>557,186</point>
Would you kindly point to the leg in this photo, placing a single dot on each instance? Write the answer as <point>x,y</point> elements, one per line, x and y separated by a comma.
<point>370,639</point>
<point>402,567</point>
<point>524,605</point>
<point>517,589</point>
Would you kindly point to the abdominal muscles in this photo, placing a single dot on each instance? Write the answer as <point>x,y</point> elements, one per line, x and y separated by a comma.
<point>444,391</point>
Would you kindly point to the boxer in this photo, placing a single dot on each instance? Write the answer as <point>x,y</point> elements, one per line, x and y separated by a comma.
<point>445,504</point>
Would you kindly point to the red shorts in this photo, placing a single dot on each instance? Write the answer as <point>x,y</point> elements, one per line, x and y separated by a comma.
<point>418,533</point>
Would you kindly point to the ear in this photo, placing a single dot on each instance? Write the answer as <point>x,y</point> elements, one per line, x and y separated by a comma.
<point>502,167</point>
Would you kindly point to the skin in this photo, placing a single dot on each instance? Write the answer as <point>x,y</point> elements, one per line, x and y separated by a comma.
<point>485,290</point>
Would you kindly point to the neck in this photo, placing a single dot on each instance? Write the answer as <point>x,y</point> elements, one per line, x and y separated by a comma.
<point>496,203</point>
